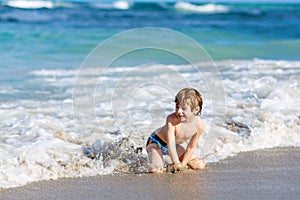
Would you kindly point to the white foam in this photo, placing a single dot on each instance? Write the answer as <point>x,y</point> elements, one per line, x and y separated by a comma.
<point>272,132</point>
<point>36,4</point>
<point>8,90</point>
<point>206,9</point>
<point>262,106</point>
<point>28,4</point>
<point>282,99</point>
<point>57,72</point>
<point>120,5</point>
<point>46,160</point>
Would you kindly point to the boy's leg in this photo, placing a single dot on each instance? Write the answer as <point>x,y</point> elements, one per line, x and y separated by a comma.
<point>180,151</point>
<point>155,158</point>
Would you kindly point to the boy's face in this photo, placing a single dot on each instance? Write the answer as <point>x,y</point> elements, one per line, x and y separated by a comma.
<point>184,113</point>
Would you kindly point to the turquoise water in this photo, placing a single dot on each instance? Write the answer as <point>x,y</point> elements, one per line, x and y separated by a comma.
<point>63,35</point>
<point>244,31</point>
<point>44,45</point>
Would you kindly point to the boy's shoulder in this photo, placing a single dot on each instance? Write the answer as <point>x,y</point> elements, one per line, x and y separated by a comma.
<point>200,123</point>
<point>173,118</point>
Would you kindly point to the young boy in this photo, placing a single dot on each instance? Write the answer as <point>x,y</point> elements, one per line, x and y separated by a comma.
<point>180,126</point>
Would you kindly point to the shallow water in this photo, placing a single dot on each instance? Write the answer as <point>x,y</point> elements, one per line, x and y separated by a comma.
<point>43,138</point>
<point>40,139</point>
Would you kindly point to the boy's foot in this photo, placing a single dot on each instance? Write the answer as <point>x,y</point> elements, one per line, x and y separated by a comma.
<point>157,171</point>
<point>196,164</point>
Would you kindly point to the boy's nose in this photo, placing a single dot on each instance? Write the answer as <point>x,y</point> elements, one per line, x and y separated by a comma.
<point>179,110</point>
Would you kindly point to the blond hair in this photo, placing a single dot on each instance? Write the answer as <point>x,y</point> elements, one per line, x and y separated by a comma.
<point>190,97</point>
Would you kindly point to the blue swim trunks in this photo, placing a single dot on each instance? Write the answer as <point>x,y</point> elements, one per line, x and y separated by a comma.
<point>153,138</point>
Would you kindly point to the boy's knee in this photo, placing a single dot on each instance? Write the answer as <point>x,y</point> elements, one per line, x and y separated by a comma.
<point>151,147</point>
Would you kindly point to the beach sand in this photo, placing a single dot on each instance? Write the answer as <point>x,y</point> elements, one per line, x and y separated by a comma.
<point>265,174</point>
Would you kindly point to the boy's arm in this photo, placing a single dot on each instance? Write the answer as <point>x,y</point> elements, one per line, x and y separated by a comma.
<point>171,141</point>
<point>190,150</point>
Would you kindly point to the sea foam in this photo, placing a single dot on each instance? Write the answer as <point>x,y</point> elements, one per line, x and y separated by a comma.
<point>206,9</point>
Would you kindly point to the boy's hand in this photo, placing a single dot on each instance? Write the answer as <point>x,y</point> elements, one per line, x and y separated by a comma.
<point>178,166</point>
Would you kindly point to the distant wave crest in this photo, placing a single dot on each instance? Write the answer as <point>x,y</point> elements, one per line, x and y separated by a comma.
<point>120,5</point>
<point>207,8</point>
<point>35,4</point>
<point>30,4</point>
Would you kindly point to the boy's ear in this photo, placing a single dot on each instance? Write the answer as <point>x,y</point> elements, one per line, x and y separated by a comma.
<point>196,110</point>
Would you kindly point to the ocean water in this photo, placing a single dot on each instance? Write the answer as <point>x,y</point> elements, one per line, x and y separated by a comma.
<point>66,114</point>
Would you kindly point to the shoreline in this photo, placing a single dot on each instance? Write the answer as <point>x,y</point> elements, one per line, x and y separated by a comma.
<point>264,174</point>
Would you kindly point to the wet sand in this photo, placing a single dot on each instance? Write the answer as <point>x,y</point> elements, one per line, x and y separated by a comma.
<point>266,174</point>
